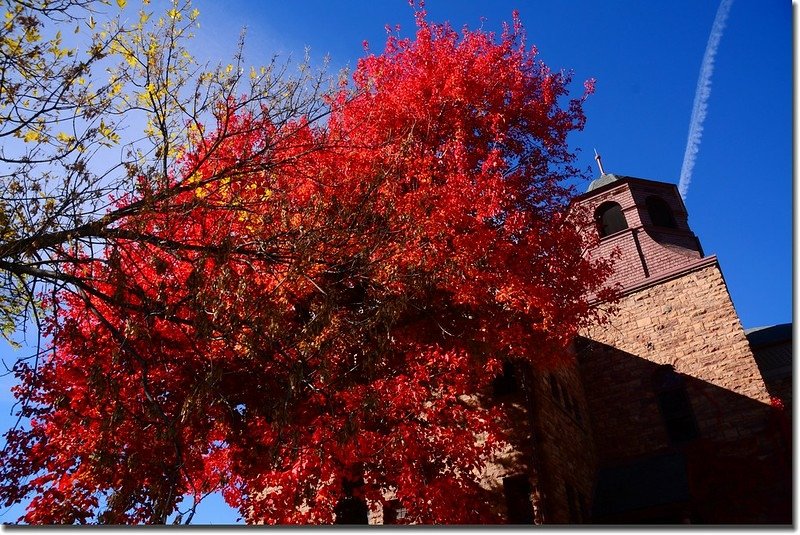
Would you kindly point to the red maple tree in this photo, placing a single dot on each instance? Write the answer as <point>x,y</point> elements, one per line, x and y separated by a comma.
<point>326,318</point>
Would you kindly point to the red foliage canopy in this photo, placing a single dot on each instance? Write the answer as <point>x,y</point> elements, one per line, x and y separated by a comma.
<point>331,311</point>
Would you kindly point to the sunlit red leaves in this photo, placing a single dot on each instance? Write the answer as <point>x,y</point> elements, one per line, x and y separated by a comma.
<point>322,303</point>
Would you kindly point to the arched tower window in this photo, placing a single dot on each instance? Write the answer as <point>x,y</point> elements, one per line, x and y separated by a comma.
<point>610,218</point>
<point>660,212</point>
<point>674,405</point>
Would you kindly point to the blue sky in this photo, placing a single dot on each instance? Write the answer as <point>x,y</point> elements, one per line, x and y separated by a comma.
<point>646,58</point>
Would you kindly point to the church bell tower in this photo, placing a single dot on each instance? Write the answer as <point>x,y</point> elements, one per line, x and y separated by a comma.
<point>670,382</point>
<point>646,222</point>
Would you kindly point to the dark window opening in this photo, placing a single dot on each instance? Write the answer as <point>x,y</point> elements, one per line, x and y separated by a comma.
<point>610,219</point>
<point>660,212</point>
<point>393,511</point>
<point>674,405</point>
<point>506,383</point>
<point>517,490</point>
<point>351,510</point>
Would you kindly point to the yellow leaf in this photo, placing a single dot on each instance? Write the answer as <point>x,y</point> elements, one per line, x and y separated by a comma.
<point>32,35</point>
<point>121,3</point>
<point>31,135</point>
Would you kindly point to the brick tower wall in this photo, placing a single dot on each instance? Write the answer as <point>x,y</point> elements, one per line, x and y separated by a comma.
<point>645,251</point>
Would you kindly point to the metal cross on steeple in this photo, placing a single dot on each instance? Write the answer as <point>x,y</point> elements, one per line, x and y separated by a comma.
<point>599,162</point>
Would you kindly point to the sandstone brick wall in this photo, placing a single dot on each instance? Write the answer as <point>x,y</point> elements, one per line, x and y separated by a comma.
<point>549,410</point>
<point>514,460</point>
<point>675,310</point>
<point>566,450</point>
<point>688,322</point>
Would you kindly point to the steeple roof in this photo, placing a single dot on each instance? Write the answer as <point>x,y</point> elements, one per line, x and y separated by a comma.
<point>604,179</point>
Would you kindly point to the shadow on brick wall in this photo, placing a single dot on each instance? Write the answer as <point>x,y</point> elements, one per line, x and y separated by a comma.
<point>673,448</point>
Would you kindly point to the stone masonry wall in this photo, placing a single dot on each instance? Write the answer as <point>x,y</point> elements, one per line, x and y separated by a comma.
<point>566,450</point>
<point>688,322</point>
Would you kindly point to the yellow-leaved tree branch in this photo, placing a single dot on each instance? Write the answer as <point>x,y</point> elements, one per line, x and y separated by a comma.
<point>98,102</point>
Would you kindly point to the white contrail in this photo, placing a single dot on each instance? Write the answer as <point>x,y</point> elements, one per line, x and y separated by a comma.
<point>703,91</point>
